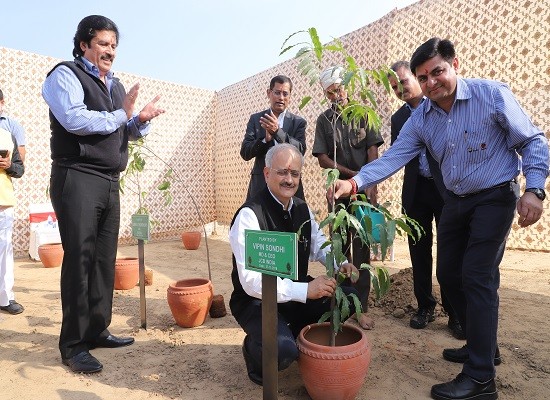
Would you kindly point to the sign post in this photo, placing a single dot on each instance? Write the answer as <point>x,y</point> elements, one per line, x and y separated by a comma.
<point>141,231</point>
<point>274,255</point>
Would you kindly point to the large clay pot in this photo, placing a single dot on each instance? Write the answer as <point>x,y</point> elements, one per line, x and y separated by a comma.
<point>126,273</point>
<point>191,240</point>
<point>190,300</point>
<point>51,254</point>
<point>333,373</point>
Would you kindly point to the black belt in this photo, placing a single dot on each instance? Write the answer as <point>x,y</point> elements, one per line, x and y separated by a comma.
<point>500,185</point>
<point>428,178</point>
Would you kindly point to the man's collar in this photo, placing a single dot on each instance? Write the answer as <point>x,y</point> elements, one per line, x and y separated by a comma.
<point>290,203</point>
<point>411,109</point>
<point>92,69</point>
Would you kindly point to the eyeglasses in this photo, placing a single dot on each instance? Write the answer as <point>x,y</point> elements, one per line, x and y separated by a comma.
<point>335,91</point>
<point>284,172</point>
<point>277,93</point>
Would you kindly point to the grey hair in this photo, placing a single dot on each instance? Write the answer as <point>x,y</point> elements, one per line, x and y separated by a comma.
<point>282,147</point>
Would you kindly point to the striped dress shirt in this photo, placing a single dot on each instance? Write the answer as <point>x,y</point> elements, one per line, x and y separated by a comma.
<point>486,139</point>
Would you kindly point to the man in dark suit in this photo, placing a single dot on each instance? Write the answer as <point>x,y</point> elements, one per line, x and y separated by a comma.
<point>271,127</point>
<point>422,200</point>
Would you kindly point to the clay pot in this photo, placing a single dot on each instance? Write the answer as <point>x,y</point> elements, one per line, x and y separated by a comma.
<point>333,373</point>
<point>191,240</point>
<point>217,309</point>
<point>126,273</point>
<point>51,254</point>
<point>190,300</point>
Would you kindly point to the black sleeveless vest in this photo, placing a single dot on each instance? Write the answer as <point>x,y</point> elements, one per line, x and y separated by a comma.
<point>103,155</point>
<point>272,217</point>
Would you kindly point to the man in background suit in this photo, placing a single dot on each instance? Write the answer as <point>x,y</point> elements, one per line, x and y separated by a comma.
<point>422,200</point>
<point>271,127</point>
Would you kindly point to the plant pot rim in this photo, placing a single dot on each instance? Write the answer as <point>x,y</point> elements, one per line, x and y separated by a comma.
<point>326,325</point>
<point>190,282</point>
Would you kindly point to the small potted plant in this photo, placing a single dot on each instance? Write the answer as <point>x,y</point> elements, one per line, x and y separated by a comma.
<point>322,343</point>
<point>139,153</point>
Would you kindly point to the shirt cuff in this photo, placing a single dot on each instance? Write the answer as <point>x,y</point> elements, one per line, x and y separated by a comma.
<point>299,292</point>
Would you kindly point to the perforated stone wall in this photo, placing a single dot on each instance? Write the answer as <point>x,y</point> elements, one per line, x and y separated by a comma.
<point>201,133</point>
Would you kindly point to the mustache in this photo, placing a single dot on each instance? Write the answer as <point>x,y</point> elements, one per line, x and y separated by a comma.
<point>288,185</point>
<point>108,57</point>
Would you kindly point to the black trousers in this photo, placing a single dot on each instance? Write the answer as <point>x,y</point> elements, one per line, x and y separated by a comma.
<point>291,318</point>
<point>88,210</point>
<point>426,207</point>
<point>471,241</point>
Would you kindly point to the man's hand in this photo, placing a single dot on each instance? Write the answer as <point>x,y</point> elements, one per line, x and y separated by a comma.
<point>150,111</point>
<point>271,125</point>
<point>349,271</point>
<point>372,194</point>
<point>130,100</point>
<point>5,162</point>
<point>342,189</point>
<point>322,286</point>
<point>529,209</point>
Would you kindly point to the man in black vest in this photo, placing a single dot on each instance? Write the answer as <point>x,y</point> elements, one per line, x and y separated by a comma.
<point>422,200</point>
<point>91,119</point>
<point>300,302</point>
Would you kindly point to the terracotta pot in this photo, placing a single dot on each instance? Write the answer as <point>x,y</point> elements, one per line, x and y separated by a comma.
<point>51,254</point>
<point>189,301</point>
<point>191,240</point>
<point>333,373</point>
<point>126,273</point>
<point>217,309</point>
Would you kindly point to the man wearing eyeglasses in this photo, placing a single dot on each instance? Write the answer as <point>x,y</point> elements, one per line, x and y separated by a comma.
<point>269,128</point>
<point>301,302</point>
<point>351,148</point>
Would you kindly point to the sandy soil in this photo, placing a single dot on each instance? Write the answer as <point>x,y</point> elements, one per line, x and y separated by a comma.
<point>169,362</point>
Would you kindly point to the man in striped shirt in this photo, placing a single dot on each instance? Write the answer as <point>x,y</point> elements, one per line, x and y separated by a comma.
<point>481,138</point>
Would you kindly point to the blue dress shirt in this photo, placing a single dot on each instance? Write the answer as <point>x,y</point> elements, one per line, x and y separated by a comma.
<point>484,140</point>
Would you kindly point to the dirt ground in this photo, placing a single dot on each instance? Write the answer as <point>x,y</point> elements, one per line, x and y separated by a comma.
<point>169,362</point>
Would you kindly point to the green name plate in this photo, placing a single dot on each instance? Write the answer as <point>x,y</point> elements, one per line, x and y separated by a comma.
<point>271,253</point>
<point>141,227</point>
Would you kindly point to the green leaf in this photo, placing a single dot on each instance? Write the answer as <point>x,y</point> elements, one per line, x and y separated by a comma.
<point>164,186</point>
<point>325,317</point>
<point>304,102</point>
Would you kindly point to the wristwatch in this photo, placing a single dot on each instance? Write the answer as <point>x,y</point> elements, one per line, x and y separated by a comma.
<point>538,192</point>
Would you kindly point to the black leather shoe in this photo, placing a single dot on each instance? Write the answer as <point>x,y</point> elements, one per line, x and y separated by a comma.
<point>254,374</point>
<point>13,307</point>
<point>456,328</point>
<point>422,317</point>
<point>461,355</point>
<point>111,342</point>
<point>463,388</point>
<point>83,363</point>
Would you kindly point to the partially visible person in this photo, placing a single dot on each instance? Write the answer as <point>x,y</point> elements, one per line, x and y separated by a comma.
<point>301,302</point>
<point>91,120</point>
<point>11,166</point>
<point>422,200</point>
<point>481,138</point>
<point>269,128</point>
<point>11,125</point>
<point>355,147</point>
